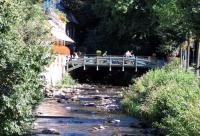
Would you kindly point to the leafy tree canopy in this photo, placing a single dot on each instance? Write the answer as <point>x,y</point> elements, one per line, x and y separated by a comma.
<point>23,55</point>
<point>159,25</point>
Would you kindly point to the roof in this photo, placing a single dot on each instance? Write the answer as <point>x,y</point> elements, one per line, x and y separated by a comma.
<point>61,36</point>
<point>71,17</point>
<point>58,30</point>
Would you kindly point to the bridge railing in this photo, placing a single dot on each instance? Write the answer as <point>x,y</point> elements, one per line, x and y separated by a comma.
<point>117,61</point>
<point>146,59</point>
<point>140,57</point>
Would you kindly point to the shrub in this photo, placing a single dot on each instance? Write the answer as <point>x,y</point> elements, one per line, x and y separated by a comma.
<point>22,59</point>
<point>67,81</point>
<point>167,97</point>
<point>98,52</point>
<point>62,16</point>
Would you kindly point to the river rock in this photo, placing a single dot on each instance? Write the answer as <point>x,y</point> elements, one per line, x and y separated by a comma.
<point>68,108</point>
<point>90,104</point>
<point>97,97</point>
<point>135,125</point>
<point>144,124</point>
<point>50,131</point>
<point>106,97</point>
<point>61,101</point>
<point>112,107</point>
<point>95,128</point>
<point>129,135</point>
<point>114,121</point>
<point>67,97</point>
<point>99,127</point>
<point>150,131</point>
<point>66,91</point>
<point>75,98</point>
<point>106,102</point>
<point>59,94</point>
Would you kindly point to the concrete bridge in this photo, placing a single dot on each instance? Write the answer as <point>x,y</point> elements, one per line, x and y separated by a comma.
<point>115,61</point>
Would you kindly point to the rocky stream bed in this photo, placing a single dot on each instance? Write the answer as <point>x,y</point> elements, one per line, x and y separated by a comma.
<point>86,110</point>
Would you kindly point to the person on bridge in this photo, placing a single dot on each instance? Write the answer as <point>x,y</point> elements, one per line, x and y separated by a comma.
<point>128,54</point>
<point>104,54</point>
<point>68,58</point>
<point>132,54</point>
<point>153,57</point>
<point>76,56</point>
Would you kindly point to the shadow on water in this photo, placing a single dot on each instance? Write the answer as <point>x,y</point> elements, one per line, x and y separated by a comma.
<point>103,76</point>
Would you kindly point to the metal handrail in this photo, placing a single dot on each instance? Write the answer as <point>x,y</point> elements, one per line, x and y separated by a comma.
<point>116,61</point>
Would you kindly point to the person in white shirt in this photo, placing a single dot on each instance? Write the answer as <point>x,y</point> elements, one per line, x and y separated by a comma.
<point>128,54</point>
<point>76,56</point>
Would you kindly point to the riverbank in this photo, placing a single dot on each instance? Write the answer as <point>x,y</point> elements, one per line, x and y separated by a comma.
<point>86,110</point>
<point>168,98</point>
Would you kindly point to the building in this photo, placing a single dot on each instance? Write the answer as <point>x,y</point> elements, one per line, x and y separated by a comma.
<point>56,70</point>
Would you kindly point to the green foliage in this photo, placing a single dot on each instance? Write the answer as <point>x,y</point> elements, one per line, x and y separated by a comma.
<point>153,25</point>
<point>23,56</point>
<point>134,24</point>
<point>169,98</point>
<point>62,16</point>
<point>177,20</point>
<point>98,52</point>
<point>67,81</point>
<point>123,24</point>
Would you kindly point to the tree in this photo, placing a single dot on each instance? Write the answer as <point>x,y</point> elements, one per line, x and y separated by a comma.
<point>124,25</point>
<point>181,18</point>
<point>191,17</point>
<point>23,56</point>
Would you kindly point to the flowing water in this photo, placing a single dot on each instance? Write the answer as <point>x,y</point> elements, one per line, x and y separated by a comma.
<point>87,110</point>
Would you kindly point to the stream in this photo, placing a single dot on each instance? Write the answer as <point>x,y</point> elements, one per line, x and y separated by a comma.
<point>86,110</point>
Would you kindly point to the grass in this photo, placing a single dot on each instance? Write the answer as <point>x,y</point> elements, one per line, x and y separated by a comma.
<point>67,81</point>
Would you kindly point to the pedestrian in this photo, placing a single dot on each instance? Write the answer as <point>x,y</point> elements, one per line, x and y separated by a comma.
<point>128,54</point>
<point>76,56</point>
<point>132,54</point>
<point>104,54</point>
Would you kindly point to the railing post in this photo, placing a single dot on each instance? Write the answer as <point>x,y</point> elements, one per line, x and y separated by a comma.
<point>123,63</point>
<point>84,60</point>
<point>67,66</point>
<point>110,63</point>
<point>135,64</point>
<point>181,56</point>
<point>97,64</point>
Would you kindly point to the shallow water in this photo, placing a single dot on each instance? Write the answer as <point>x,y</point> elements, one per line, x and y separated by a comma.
<point>87,115</point>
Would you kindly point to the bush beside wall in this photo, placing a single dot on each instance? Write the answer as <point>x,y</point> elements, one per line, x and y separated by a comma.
<point>169,98</point>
